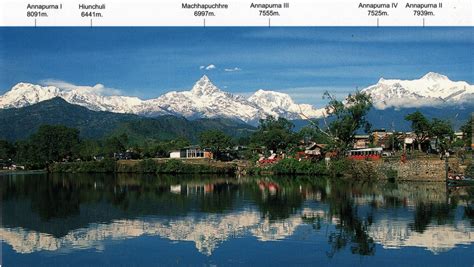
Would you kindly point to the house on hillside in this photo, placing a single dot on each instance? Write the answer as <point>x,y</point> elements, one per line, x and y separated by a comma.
<point>191,152</point>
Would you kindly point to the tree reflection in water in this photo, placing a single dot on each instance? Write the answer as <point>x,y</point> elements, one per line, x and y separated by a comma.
<point>426,213</point>
<point>277,199</point>
<point>351,228</point>
<point>59,204</point>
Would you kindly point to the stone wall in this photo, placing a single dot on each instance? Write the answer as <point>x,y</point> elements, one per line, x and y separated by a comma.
<point>423,169</point>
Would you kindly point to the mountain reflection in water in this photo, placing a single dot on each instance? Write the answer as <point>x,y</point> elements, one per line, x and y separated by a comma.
<point>65,213</point>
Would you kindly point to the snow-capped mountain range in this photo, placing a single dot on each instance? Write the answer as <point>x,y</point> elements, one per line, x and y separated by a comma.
<point>207,100</point>
<point>432,89</point>
<point>203,100</point>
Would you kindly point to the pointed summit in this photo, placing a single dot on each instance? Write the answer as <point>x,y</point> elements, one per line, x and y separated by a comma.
<point>204,87</point>
<point>204,78</point>
<point>433,76</point>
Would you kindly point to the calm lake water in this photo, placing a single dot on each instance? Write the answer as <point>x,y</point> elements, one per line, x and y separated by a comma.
<point>164,220</point>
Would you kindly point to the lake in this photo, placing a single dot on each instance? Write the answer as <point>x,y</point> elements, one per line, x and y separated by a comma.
<point>83,219</point>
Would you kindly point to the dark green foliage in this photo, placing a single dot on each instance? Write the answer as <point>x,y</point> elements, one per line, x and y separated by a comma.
<point>20,123</point>
<point>467,130</point>
<point>103,166</point>
<point>115,144</point>
<point>7,150</point>
<point>53,143</point>
<point>347,118</point>
<point>173,166</point>
<point>425,129</point>
<point>443,132</point>
<point>419,124</point>
<point>293,166</point>
<point>162,149</point>
<point>275,134</point>
<point>176,166</point>
<point>89,148</point>
<point>215,140</point>
<point>470,169</point>
<point>338,168</point>
<point>147,166</point>
<point>441,128</point>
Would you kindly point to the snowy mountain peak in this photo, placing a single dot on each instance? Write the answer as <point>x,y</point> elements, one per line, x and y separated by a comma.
<point>433,89</point>
<point>208,101</point>
<point>280,104</point>
<point>23,94</point>
<point>30,88</point>
<point>433,76</point>
<point>204,79</point>
<point>271,98</point>
<point>204,87</point>
<point>22,86</point>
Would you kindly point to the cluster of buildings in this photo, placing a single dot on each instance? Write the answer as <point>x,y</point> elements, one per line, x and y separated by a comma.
<point>380,142</point>
<point>376,144</point>
<point>396,140</point>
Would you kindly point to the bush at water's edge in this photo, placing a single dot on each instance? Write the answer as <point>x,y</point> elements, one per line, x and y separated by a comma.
<point>143,166</point>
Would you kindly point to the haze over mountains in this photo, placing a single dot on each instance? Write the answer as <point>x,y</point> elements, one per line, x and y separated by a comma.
<point>206,100</point>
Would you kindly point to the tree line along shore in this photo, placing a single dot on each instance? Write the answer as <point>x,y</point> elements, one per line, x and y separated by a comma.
<point>274,147</point>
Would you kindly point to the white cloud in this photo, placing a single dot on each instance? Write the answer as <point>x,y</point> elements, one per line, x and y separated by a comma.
<point>233,69</point>
<point>98,89</point>
<point>211,67</point>
<point>202,67</point>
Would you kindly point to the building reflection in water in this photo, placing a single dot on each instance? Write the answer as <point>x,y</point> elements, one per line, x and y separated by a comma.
<point>67,213</point>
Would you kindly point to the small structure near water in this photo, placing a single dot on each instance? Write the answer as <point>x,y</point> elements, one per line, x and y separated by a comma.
<point>192,152</point>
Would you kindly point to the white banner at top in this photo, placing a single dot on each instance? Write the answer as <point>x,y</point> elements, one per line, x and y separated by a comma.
<point>204,13</point>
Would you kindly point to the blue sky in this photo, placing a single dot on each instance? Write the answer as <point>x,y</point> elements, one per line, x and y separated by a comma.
<point>303,62</point>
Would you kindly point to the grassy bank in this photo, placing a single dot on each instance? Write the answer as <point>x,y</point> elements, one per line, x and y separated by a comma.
<point>171,166</point>
<point>336,168</point>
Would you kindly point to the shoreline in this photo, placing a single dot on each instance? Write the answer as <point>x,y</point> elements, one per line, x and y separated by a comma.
<point>8,172</point>
<point>422,169</point>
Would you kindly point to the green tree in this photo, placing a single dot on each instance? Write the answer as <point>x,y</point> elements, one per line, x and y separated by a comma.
<point>54,143</point>
<point>467,130</point>
<point>275,134</point>
<point>215,140</point>
<point>89,148</point>
<point>442,130</point>
<point>349,116</point>
<point>7,150</point>
<point>24,152</point>
<point>420,125</point>
<point>162,149</point>
<point>116,144</point>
